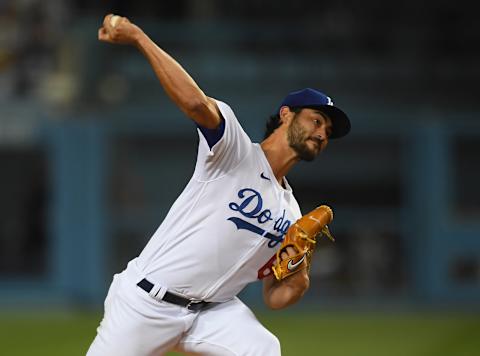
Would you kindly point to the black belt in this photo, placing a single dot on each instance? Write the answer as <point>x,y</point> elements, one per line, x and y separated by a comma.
<point>194,305</point>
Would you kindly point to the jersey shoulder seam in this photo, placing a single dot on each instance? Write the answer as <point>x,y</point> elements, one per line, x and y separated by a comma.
<point>227,172</point>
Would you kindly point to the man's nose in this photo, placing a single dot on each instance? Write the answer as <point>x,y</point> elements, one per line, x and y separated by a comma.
<point>321,133</point>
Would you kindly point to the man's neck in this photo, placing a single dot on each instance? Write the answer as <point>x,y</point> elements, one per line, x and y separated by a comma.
<point>280,155</point>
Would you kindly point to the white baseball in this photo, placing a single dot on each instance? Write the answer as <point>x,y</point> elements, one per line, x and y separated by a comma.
<point>114,20</point>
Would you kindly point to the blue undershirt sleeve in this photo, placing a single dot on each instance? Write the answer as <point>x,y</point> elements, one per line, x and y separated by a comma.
<point>213,135</point>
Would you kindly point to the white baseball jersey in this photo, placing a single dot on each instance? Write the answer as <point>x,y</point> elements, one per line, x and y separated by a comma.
<point>227,223</point>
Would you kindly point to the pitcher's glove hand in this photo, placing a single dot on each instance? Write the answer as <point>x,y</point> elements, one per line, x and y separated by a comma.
<point>302,236</point>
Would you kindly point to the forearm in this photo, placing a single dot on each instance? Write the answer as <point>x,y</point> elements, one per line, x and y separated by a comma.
<point>281,294</point>
<point>177,83</point>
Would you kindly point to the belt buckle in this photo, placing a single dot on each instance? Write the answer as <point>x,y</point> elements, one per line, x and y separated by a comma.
<point>194,305</point>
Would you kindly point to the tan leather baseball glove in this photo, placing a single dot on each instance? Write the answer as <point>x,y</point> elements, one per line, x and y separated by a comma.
<point>302,237</point>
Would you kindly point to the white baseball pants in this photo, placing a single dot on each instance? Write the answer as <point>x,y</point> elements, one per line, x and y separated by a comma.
<point>135,324</point>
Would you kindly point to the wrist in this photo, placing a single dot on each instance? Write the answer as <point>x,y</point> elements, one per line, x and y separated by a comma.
<point>298,282</point>
<point>140,39</point>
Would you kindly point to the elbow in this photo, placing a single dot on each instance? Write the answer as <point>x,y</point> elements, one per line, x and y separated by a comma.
<point>203,111</point>
<point>196,105</point>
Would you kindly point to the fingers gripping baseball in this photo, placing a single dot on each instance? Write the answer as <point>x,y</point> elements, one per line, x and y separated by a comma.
<point>119,30</point>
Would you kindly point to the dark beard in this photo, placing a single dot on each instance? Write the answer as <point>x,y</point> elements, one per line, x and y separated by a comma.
<point>297,139</point>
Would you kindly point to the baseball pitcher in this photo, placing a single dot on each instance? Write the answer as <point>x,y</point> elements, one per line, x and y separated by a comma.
<point>236,221</point>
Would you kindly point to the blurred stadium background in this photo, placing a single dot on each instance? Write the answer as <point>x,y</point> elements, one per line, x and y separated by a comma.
<point>92,154</point>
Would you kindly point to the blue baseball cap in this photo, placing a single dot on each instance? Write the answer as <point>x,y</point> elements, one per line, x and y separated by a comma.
<point>311,98</point>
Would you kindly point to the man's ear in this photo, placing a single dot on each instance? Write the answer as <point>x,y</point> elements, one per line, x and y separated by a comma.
<point>285,115</point>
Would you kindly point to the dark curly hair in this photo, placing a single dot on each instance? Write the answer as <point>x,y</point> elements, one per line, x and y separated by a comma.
<point>273,122</point>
